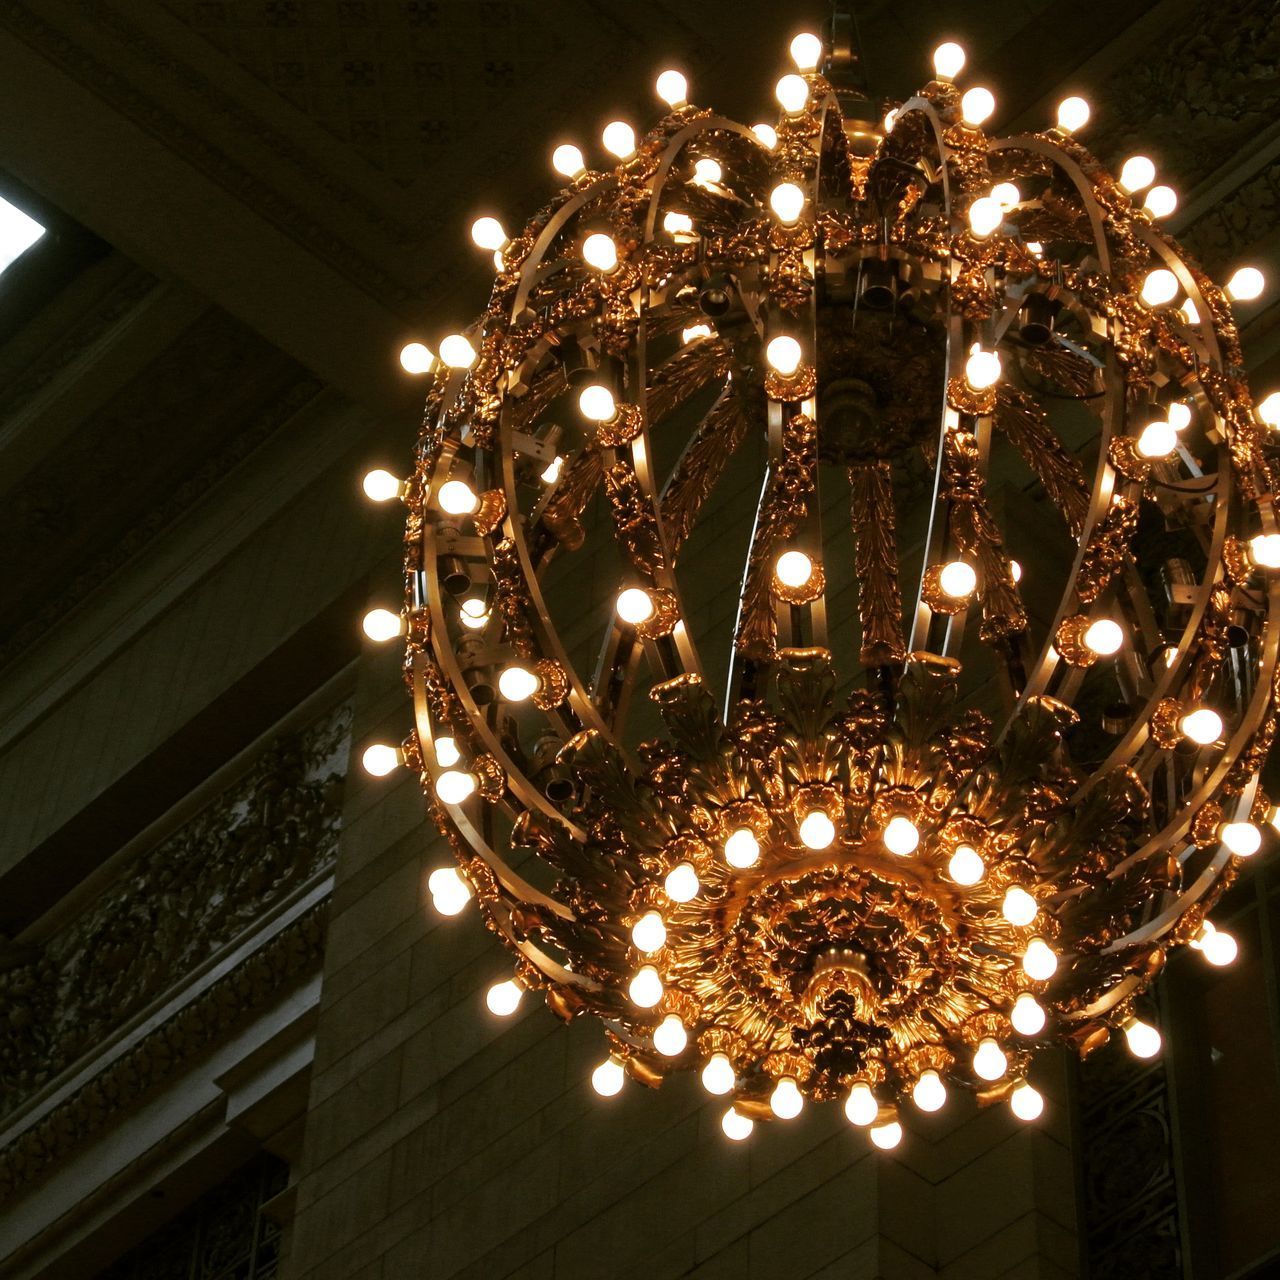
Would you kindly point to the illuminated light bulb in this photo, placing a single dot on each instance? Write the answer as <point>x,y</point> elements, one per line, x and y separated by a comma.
<point>707,172</point>
<point>966,865</point>
<point>677,224</point>
<point>792,93</point>
<point>718,1076</point>
<point>1268,410</point>
<point>488,233</point>
<point>416,358</point>
<point>447,753</point>
<point>886,1136</point>
<point>1158,440</point>
<point>957,579</point>
<point>976,106</point>
<point>1143,1039</point>
<point>1159,287</point>
<point>681,884</point>
<point>672,88</point>
<point>669,1037</point>
<point>786,1101</point>
<point>989,1060</point>
<point>1202,726</point>
<point>1246,284</point>
<point>736,1126</point>
<point>635,606</point>
<point>608,1077</point>
<point>499,262</point>
<point>1218,948</point>
<point>381,624</point>
<point>694,332</point>
<point>928,1092</point>
<point>783,354</point>
<point>766,134</point>
<point>1161,201</point>
<point>1027,1016</point>
<point>1137,172</point>
<point>948,60</point>
<point>567,160</point>
<point>596,404</point>
<point>453,786</point>
<point>473,614</point>
<point>645,988</point>
<point>985,215</point>
<point>901,836</point>
<point>806,51</point>
<point>503,998</point>
<point>1104,637</point>
<point>379,759</point>
<point>1179,415</point>
<point>457,498</point>
<point>1073,114</point>
<point>649,933</point>
<point>1019,907</point>
<point>518,684</point>
<point>1189,312</point>
<point>1015,571</point>
<point>817,830</point>
<point>552,472</point>
<point>1241,838</point>
<point>380,485</point>
<point>599,251</point>
<point>450,893</point>
<point>1264,550</point>
<point>742,849</point>
<point>619,139</point>
<point>890,119</point>
<point>1025,1102</point>
<point>457,352</point>
<point>861,1106</point>
<point>1274,819</point>
<point>1035,248</point>
<point>1038,961</point>
<point>1006,194</point>
<point>982,369</point>
<point>793,568</point>
<point>787,202</point>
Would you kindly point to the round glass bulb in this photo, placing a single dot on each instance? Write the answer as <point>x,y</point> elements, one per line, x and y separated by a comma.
<point>552,472</point>
<point>766,134</point>
<point>677,224</point>
<point>380,485</point>
<point>985,215</point>
<point>793,568</point>
<point>457,498</point>
<point>901,836</point>
<point>1157,440</point>
<point>890,119</point>
<point>503,998</point>
<point>1039,962</point>
<point>787,202</point>
<point>928,1092</point>
<point>1246,284</point>
<point>1159,287</point>
<point>886,1136</point>
<point>449,891</point>
<point>1143,1039</point>
<point>792,93</point>
<point>607,1078</point>
<point>596,404</point>
<point>784,354</point>
<point>1179,415</point>
<point>1189,312</point>
<point>989,1060</point>
<point>472,613</point>
<point>1137,172</point>
<point>645,988</point>
<point>1015,571</point>
<point>1103,637</point>
<point>619,139</point>
<point>635,606</point>
<point>817,831</point>
<point>1219,948</point>
<point>1006,194</point>
<point>957,579</point>
<point>649,933</point>
<point>672,88</point>
<point>1268,411</point>
<point>694,332</point>
<point>707,171</point>
<point>861,1106</point>
<point>786,1101</point>
<point>1202,726</point>
<point>1019,907</point>
<point>976,106</point>
<point>982,369</point>
<point>966,865</point>
<point>1264,550</point>
<point>488,233</point>
<point>381,624</point>
<point>1073,114</point>
<point>517,684</point>
<point>948,60</point>
<point>447,753</point>
<point>718,1076</point>
<point>379,759</point>
<point>599,251</point>
<point>742,849</point>
<point>806,51</point>
<point>669,1037</point>
<point>457,352</point>
<point>1241,838</point>
<point>416,358</point>
<point>681,884</point>
<point>453,786</point>
<point>1025,1102</point>
<point>1027,1015</point>
<point>567,160</point>
<point>1161,201</point>
<point>736,1126</point>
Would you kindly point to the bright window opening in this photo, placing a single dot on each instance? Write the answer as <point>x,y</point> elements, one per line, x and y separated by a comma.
<point>18,233</point>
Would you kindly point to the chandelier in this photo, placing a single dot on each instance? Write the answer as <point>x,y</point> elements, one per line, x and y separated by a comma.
<point>921,811</point>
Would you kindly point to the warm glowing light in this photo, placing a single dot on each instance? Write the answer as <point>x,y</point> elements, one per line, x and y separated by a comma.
<point>948,60</point>
<point>599,251</point>
<point>1218,948</point>
<point>1006,194</point>
<point>649,933</point>
<point>416,358</point>
<point>551,474</point>
<point>1039,962</point>
<point>635,606</point>
<point>607,1078</point>
<point>1179,415</point>
<point>957,579</point>
<point>488,233</point>
<point>718,1076</point>
<point>1103,637</point>
<point>450,893</point>
<point>989,1060</point>
<point>1159,287</point>
<point>787,202</point>
<point>1264,550</point>
<point>985,215</point>
<point>517,684</point>
<point>457,352</point>
<point>793,569</point>
<point>1019,907</point>
<point>1073,114</point>
<point>886,1136</point>
<point>792,93</point>
<point>1144,1039</point>
<point>457,498</point>
<point>473,613</point>
<point>817,831</point>
<point>1189,312</point>
<point>453,786</point>
<point>928,1092</point>
<point>381,624</point>
<point>901,836</point>
<point>982,369</point>
<point>1157,440</point>
<point>681,884</point>
<point>806,51</point>
<point>1202,726</point>
<point>380,485</point>
<point>766,134</point>
<point>447,753</point>
<point>1025,1102</point>
<point>677,224</point>
<point>1137,172</point>
<point>645,988</point>
<point>736,1126</point>
<point>1015,571</point>
<point>1246,284</point>
<point>503,998</point>
<point>742,849</point>
<point>670,1037</point>
<point>786,1102</point>
<point>1241,838</point>
<point>379,759</point>
<point>861,1106</point>
<point>1161,201</point>
<point>567,160</point>
<point>694,332</point>
<point>707,172</point>
<point>890,119</point>
<point>619,139</point>
<point>596,403</point>
<point>672,88</point>
<point>1268,411</point>
<point>976,106</point>
<point>966,866</point>
<point>1027,1015</point>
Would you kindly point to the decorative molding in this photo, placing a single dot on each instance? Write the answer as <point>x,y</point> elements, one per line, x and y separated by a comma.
<point>1238,222</point>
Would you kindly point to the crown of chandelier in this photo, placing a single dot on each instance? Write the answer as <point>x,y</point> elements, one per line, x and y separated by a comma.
<point>871,859</point>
